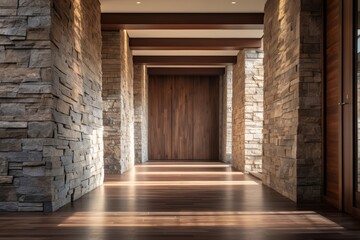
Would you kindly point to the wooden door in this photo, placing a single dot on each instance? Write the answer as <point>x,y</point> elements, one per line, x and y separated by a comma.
<point>206,118</point>
<point>160,118</point>
<point>333,99</point>
<point>183,118</point>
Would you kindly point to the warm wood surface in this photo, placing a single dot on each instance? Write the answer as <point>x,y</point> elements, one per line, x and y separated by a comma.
<point>182,118</point>
<point>166,71</point>
<point>184,60</point>
<point>175,201</point>
<point>116,21</point>
<point>194,117</point>
<point>194,43</point>
<point>206,118</point>
<point>160,118</point>
<point>333,165</point>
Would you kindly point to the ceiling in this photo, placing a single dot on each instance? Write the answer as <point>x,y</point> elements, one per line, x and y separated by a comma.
<point>182,6</point>
<point>187,7</point>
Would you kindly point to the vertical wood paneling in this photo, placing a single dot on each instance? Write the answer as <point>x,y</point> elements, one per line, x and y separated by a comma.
<point>333,166</point>
<point>182,120</point>
<point>206,120</point>
<point>191,131</point>
<point>160,118</point>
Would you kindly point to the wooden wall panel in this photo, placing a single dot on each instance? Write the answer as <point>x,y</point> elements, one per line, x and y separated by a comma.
<point>333,140</point>
<point>182,118</point>
<point>160,118</point>
<point>206,118</point>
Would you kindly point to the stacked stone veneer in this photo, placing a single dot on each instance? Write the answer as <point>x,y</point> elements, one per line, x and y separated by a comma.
<point>118,102</point>
<point>51,149</point>
<point>248,98</point>
<point>141,113</point>
<point>292,117</point>
<point>226,131</point>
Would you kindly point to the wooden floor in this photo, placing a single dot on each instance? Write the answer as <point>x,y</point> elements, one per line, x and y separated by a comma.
<point>186,200</point>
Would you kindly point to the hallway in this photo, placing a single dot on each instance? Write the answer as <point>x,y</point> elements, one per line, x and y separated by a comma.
<point>182,200</point>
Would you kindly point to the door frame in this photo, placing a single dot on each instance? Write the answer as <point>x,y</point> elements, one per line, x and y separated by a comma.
<point>348,104</point>
<point>350,110</point>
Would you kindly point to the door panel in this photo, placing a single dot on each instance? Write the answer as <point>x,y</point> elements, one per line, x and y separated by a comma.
<point>183,118</point>
<point>182,121</point>
<point>333,86</point>
<point>206,120</point>
<point>160,118</point>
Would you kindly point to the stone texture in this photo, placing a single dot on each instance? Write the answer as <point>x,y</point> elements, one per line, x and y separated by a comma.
<point>227,108</point>
<point>141,113</point>
<point>23,97</point>
<point>118,102</point>
<point>51,148</point>
<point>292,116</point>
<point>248,99</point>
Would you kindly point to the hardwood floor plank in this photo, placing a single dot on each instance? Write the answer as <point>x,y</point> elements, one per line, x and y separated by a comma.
<point>197,200</point>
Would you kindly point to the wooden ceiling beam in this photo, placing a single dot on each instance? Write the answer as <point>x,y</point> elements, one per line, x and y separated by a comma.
<point>194,43</point>
<point>185,60</point>
<point>186,71</point>
<point>114,21</point>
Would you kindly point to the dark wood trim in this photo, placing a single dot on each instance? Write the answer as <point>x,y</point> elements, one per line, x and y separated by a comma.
<point>323,121</point>
<point>341,120</point>
<point>185,60</point>
<point>339,204</point>
<point>186,71</point>
<point>194,43</point>
<point>111,21</point>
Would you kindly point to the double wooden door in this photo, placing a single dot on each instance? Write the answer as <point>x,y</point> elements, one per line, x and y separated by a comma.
<point>183,117</point>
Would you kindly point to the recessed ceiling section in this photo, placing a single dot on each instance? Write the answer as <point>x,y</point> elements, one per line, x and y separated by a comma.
<point>190,33</point>
<point>183,6</point>
<point>184,53</point>
<point>186,66</point>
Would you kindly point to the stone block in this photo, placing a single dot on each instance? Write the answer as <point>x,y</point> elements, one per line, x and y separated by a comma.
<point>35,88</point>
<point>4,166</point>
<point>40,58</point>
<point>13,26</point>
<point>39,22</point>
<point>9,3</point>
<point>10,146</point>
<point>41,129</point>
<point>34,171</point>
<point>6,180</point>
<point>7,125</point>
<point>31,207</point>
<point>8,206</point>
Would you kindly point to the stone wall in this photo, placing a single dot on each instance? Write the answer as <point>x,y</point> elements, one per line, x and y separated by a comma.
<point>111,100</point>
<point>226,126</point>
<point>292,117</point>
<point>51,149</point>
<point>248,108</point>
<point>26,105</point>
<point>141,113</point>
<point>77,153</point>
<point>118,102</point>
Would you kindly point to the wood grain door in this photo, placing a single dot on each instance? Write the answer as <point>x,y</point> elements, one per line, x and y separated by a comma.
<point>160,95</point>
<point>206,118</point>
<point>333,99</point>
<point>183,118</point>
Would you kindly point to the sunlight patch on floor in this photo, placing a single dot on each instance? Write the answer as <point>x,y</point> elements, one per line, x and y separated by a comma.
<point>283,220</point>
